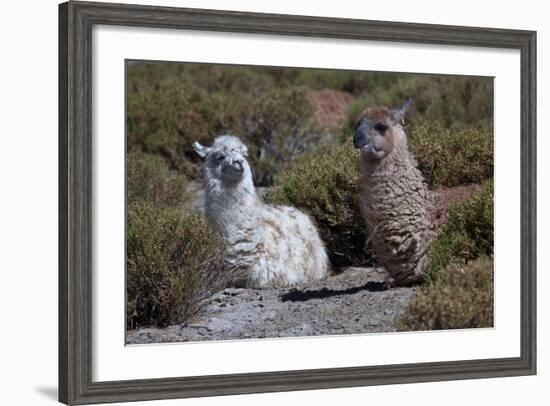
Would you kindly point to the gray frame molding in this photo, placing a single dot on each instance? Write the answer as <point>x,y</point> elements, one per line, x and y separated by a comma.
<point>75,200</point>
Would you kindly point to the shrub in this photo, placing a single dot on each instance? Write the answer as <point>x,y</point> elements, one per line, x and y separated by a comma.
<point>467,235</point>
<point>148,177</point>
<point>173,263</point>
<point>354,82</point>
<point>278,126</point>
<point>453,157</point>
<point>461,298</point>
<point>159,117</point>
<point>172,105</point>
<point>325,185</point>
<point>173,259</point>
<point>450,101</point>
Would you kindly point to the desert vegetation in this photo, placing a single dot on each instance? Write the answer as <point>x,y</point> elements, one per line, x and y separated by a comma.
<point>451,157</point>
<point>298,125</point>
<point>458,292</point>
<point>174,259</point>
<point>467,235</point>
<point>462,297</point>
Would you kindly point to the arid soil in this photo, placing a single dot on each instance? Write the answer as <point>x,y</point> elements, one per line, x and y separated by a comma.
<point>443,197</point>
<point>329,106</point>
<point>353,302</point>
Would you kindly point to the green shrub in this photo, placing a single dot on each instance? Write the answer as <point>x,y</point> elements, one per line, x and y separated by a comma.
<point>173,263</point>
<point>173,259</point>
<point>461,298</point>
<point>172,105</point>
<point>159,117</point>
<point>325,185</point>
<point>453,157</point>
<point>450,101</point>
<point>148,177</point>
<point>277,126</point>
<point>468,234</point>
<point>354,82</point>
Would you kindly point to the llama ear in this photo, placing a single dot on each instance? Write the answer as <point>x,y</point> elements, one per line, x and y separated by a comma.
<point>398,114</point>
<point>201,150</point>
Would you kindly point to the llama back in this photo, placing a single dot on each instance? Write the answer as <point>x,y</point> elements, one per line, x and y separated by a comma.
<point>294,253</point>
<point>277,246</point>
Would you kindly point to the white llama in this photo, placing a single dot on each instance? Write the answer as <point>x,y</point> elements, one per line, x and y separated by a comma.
<point>267,245</point>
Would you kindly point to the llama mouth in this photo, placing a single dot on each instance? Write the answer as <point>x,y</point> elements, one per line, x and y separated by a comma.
<point>368,148</point>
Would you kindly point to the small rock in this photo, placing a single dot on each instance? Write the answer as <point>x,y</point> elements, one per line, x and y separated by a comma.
<point>270,316</point>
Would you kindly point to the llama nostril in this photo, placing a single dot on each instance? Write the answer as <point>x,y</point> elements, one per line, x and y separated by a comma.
<point>238,165</point>
<point>359,140</point>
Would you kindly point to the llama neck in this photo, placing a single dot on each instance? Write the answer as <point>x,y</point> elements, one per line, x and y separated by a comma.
<point>397,160</point>
<point>228,204</point>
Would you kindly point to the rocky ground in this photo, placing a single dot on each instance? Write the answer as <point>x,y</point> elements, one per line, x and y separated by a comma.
<point>355,301</point>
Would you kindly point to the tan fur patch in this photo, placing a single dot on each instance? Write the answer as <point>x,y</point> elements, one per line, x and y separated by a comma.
<point>275,226</point>
<point>374,113</point>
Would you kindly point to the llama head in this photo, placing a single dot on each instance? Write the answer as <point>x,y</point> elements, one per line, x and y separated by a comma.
<point>225,161</point>
<point>379,131</point>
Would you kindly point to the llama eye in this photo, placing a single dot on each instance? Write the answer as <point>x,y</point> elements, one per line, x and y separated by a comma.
<point>380,127</point>
<point>220,157</point>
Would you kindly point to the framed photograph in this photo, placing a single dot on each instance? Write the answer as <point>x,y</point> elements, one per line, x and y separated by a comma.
<point>258,202</point>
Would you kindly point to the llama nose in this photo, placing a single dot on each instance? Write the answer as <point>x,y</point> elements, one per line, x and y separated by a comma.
<point>238,166</point>
<point>360,139</point>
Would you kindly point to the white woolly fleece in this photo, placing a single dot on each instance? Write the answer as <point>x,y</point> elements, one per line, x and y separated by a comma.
<point>267,245</point>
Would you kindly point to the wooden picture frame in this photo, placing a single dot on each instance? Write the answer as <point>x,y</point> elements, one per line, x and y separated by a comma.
<point>76,20</point>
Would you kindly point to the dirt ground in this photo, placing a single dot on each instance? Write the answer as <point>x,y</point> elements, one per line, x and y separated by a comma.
<point>355,301</point>
<point>329,106</point>
<point>444,197</point>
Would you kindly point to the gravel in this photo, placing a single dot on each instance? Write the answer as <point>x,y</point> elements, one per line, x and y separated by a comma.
<point>353,302</point>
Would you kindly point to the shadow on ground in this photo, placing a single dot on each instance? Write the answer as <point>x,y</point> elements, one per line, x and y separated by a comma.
<point>304,295</point>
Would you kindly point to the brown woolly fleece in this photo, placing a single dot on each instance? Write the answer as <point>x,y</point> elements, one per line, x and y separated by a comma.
<point>397,207</point>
